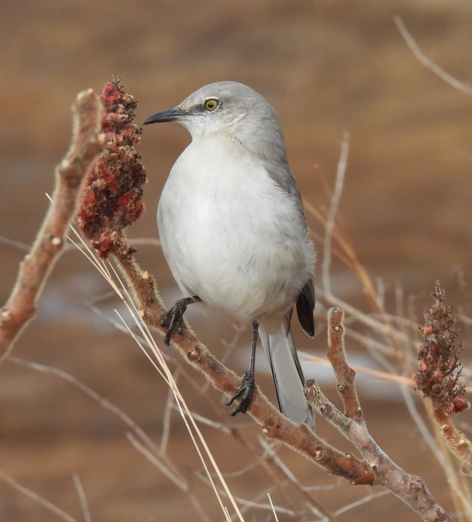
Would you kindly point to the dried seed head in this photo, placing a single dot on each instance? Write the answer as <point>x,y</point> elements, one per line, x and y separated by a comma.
<point>112,196</point>
<point>438,374</point>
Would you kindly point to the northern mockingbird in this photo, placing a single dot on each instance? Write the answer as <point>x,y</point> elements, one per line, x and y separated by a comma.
<point>233,231</point>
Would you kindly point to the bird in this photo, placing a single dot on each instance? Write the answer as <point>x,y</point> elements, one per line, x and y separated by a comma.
<point>233,232</point>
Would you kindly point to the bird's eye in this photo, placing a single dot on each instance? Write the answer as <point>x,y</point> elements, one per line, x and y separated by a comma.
<point>211,104</point>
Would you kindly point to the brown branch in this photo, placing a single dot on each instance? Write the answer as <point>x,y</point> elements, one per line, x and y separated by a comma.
<point>70,174</point>
<point>409,488</point>
<point>337,357</point>
<point>273,423</point>
<point>257,455</point>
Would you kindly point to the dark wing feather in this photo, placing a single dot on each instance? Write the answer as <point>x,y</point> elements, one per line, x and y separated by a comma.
<point>305,307</point>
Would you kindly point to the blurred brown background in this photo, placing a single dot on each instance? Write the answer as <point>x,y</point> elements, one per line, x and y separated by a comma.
<point>327,67</point>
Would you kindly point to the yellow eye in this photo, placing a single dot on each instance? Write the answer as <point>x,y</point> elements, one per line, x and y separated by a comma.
<point>211,104</point>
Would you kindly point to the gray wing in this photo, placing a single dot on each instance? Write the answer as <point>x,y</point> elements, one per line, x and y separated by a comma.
<point>280,172</point>
<point>282,175</point>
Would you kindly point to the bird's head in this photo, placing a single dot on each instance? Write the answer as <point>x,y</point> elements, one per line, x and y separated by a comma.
<point>226,107</point>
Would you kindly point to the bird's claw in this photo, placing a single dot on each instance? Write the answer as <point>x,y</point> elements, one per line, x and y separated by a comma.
<point>173,319</point>
<point>246,390</point>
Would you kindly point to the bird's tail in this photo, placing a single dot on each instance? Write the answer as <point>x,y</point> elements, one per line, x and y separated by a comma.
<point>287,373</point>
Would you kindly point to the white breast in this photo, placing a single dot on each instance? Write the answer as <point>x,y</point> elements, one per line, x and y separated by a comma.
<point>230,234</point>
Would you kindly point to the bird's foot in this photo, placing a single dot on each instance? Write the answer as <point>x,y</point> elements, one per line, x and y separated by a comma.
<point>173,319</point>
<point>245,390</point>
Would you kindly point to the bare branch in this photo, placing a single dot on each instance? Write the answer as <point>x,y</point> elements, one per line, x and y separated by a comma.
<point>409,488</point>
<point>337,357</point>
<point>182,485</point>
<point>273,423</point>
<point>70,174</point>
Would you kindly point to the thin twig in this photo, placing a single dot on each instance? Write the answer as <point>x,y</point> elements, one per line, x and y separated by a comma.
<point>140,241</point>
<point>249,503</point>
<point>104,403</point>
<point>361,501</point>
<point>15,244</point>
<point>315,505</point>
<point>207,422</point>
<point>427,62</point>
<point>332,213</point>
<point>40,500</point>
<point>82,497</point>
<point>157,462</point>
<point>397,379</point>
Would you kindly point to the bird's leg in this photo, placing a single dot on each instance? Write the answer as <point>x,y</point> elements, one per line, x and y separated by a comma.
<point>174,317</point>
<point>248,383</point>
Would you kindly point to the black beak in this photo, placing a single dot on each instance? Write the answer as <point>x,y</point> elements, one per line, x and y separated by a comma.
<point>168,115</point>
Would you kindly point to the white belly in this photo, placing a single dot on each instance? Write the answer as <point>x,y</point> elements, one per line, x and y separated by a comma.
<point>231,235</point>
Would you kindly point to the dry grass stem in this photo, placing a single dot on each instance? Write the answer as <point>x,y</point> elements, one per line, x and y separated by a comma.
<point>332,214</point>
